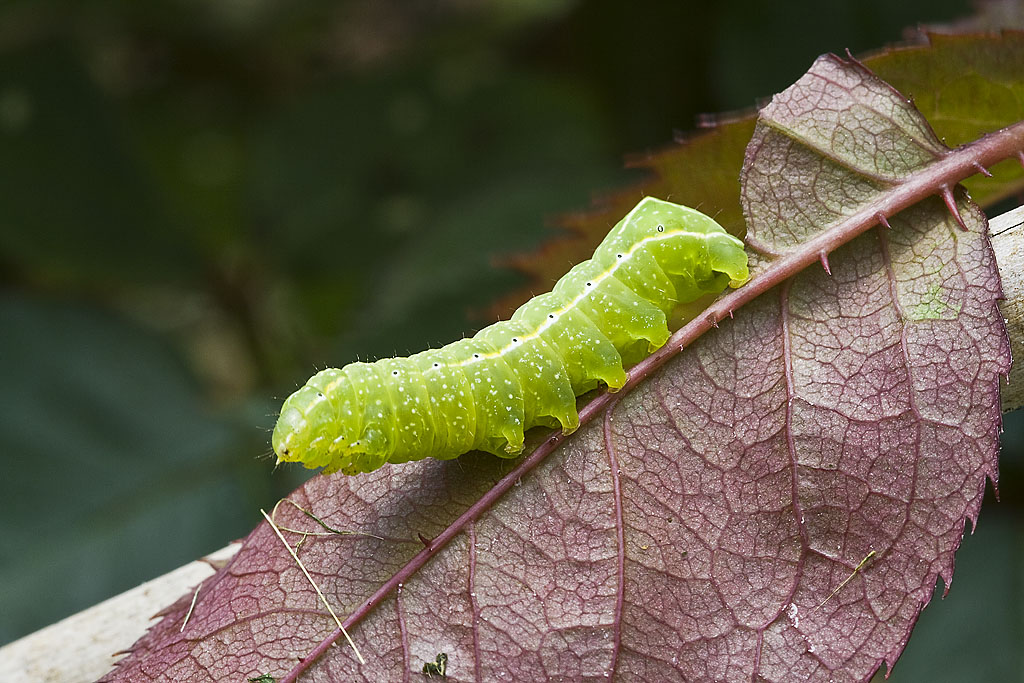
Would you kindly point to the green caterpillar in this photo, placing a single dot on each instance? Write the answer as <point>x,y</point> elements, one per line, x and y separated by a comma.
<point>481,393</point>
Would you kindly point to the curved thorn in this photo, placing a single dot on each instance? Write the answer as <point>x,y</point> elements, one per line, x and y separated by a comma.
<point>947,196</point>
<point>824,261</point>
<point>981,169</point>
<point>1020,157</point>
<point>424,540</point>
<point>883,220</point>
<point>730,313</point>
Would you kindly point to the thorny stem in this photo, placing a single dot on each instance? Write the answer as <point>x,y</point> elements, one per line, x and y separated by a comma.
<point>937,178</point>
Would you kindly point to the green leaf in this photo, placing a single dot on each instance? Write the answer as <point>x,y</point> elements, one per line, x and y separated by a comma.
<point>966,86</point>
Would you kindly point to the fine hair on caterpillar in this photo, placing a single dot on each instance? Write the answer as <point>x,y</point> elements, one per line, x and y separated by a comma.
<point>483,392</point>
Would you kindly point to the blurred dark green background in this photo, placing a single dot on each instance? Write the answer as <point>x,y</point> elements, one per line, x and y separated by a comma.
<point>201,202</point>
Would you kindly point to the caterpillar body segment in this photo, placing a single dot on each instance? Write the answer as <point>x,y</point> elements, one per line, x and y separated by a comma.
<point>483,392</point>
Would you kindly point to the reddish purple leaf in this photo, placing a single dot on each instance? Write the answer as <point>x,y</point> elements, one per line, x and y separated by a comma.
<point>775,503</point>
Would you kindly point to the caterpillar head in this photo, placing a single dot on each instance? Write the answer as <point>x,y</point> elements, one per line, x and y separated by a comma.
<point>319,427</point>
<point>308,429</point>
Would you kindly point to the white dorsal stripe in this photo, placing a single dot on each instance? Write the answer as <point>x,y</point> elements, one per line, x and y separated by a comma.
<point>479,357</point>
<point>597,280</point>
